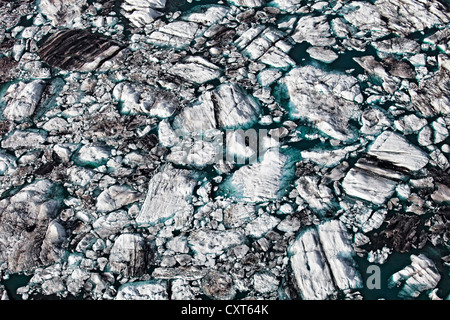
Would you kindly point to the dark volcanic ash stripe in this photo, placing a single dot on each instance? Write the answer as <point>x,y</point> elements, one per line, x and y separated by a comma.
<point>75,49</point>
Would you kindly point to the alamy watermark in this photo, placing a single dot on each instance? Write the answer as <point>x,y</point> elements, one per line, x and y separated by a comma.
<point>235,146</point>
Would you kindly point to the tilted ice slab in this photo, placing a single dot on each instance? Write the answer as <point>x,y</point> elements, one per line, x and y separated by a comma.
<point>22,99</point>
<point>260,181</point>
<point>196,70</point>
<point>328,100</point>
<point>322,261</point>
<point>115,197</point>
<point>421,275</point>
<point>394,148</point>
<point>142,12</point>
<point>169,196</point>
<point>369,186</point>
<point>266,45</point>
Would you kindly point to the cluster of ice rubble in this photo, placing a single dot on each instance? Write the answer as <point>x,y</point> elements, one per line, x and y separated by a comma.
<point>120,124</point>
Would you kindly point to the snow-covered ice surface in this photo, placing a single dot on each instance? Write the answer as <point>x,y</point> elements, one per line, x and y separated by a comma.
<point>241,149</point>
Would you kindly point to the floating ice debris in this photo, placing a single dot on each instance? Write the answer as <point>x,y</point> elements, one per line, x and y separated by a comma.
<point>143,290</point>
<point>22,99</point>
<point>421,275</point>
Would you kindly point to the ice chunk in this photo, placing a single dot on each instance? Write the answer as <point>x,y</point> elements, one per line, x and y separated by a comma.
<point>248,3</point>
<point>310,267</point>
<point>365,17</point>
<point>237,214</point>
<point>74,49</point>
<point>116,197</point>
<point>62,13</point>
<point>206,15</point>
<point>261,225</point>
<point>397,46</point>
<point>315,30</point>
<point>111,223</point>
<point>394,148</point>
<point>24,139</point>
<point>7,163</point>
<point>421,275</point>
<point>214,241</point>
<point>169,196</point>
<point>25,221</point>
<point>366,185</point>
<point>177,34</point>
<point>325,99</point>
<point>408,16</point>
<point>318,196</point>
<point>322,54</point>
<point>22,99</point>
<point>266,45</point>
<point>337,246</point>
<point>138,98</point>
<point>198,118</point>
<point>258,182</point>
<point>265,282</point>
<point>129,255</point>
<point>142,12</point>
<point>226,107</point>
<point>143,290</point>
<point>322,261</point>
<point>235,107</point>
<point>218,285</point>
<point>92,155</point>
<point>196,69</point>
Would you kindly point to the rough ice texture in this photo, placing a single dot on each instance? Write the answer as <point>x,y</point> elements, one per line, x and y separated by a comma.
<point>317,195</point>
<point>24,139</point>
<point>258,182</point>
<point>366,185</point>
<point>129,255</point>
<point>142,12</point>
<point>62,12</point>
<point>315,30</point>
<point>169,196</point>
<point>328,100</point>
<point>177,34</point>
<point>394,148</point>
<point>115,197</point>
<point>421,275</point>
<point>28,238</point>
<point>196,69</point>
<point>226,107</point>
<point>22,99</point>
<point>143,290</point>
<point>322,262</point>
<point>214,241</point>
<point>137,98</point>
